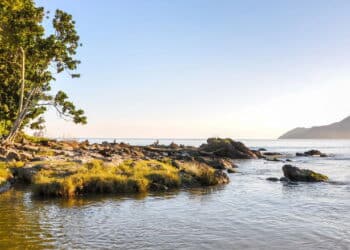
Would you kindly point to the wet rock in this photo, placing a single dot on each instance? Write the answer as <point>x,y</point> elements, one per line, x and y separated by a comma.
<point>231,170</point>
<point>273,159</point>
<point>271,153</point>
<point>158,187</point>
<point>217,163</point>
<point>227,148</point>
<point>262,149</point>
<point>296,174</point>
<point>26,174</point>
<point>272,179</point>
<point>258,154</point>
<point>5,187</point>
<point>221,177</point>
<point>312,152</point>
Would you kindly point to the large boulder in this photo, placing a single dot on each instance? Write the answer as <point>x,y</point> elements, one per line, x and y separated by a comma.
<point>296,174</point>
<point>227,148</point>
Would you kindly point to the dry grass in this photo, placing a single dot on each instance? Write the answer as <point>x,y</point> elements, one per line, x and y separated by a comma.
<point>201,173</point>
<point>129,177</point>
<point>96,177</point>
<point>5,173</point>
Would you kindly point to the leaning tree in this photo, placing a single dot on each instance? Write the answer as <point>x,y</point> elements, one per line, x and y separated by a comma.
<point>30,58</point>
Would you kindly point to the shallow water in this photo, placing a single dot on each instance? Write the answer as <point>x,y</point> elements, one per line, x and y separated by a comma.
<point>249,213</point>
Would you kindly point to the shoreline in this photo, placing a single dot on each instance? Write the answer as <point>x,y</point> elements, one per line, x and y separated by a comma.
<point>70,168</point>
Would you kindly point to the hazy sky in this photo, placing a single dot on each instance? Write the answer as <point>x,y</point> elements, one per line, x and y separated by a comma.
<point>199,68</point>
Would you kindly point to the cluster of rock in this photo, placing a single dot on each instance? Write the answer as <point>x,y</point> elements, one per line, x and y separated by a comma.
<point>217,153</point>
<point>312,152</point>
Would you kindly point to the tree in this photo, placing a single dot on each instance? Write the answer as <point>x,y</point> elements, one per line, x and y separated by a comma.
<point>29,59</point>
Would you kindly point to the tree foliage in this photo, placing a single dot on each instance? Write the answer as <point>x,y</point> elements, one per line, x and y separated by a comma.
<point>29,60</point>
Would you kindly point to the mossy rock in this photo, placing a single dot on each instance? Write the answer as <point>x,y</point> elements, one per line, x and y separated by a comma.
<point>304,175</point>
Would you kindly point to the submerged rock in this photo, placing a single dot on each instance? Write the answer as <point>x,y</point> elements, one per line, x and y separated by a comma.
<point>272,153</point>
<point>5,187</point>
<point>227,148</point>
<point>296,174</point>
<point>272,179</point>
<point>231,170</point>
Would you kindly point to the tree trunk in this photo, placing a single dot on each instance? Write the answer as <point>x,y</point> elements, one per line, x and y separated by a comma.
<point>23,71</point>
<point>20,117</point>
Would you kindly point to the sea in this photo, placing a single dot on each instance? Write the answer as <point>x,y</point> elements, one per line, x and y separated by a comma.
<point>248,213</point>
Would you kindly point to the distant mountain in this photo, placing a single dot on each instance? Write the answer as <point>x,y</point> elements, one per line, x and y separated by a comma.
<point>338,130</point>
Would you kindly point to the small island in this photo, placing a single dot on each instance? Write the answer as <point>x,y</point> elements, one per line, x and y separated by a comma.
<point>71,168</point>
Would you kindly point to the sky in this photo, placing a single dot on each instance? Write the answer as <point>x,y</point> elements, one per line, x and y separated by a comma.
<point>203,68</point>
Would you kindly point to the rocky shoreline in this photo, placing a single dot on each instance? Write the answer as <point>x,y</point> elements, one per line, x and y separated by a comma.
<point>119,167</point>
<point>70,168</point>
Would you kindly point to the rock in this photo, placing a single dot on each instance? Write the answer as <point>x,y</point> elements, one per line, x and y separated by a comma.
<point>296,174</point>
<point>262,149</point>
<point>273,159</point>
<point>234,165</point>
<point>25,156</point>
<point>283,179</point>
<point>226,148</point>
<point>30,148</point>
<point>39,158</point>
<point>288,160</point>
<point>217,163</point>
<point>258,154</point>
<point>5,187</point>
<point>174,146</point>
<point>26,174</point>
<point>221,177</point>
<point>272,153</point>
<point>3,151</point>
<point>231,170</point>
<point>157,187</point>
<point>13,156</point>
<point>272,179</point>
<point>312,152</point>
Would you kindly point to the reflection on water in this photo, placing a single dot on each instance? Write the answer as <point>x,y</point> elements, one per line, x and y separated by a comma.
<point>248,213</point>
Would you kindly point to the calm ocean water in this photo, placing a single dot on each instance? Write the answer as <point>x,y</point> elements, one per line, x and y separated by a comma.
<point>248,213</point>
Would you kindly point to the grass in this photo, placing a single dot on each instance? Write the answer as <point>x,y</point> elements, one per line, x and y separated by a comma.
<point>34,139</point>
<point>129,177</point>
<point>200,173</point>
<point>5,173</point>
